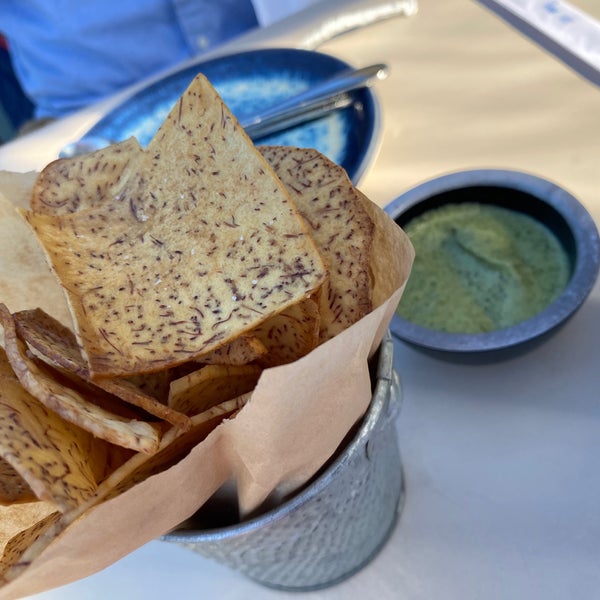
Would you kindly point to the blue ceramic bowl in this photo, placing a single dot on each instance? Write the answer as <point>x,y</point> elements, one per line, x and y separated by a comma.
<point>534,196</point>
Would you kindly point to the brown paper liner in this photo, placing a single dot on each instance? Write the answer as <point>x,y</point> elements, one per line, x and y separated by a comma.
<point>296,418</point>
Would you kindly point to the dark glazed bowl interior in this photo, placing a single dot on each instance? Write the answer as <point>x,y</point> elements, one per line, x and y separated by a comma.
<point>536,197</point>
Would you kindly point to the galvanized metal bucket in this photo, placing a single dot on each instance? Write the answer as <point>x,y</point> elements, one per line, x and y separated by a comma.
<point>337,523</point>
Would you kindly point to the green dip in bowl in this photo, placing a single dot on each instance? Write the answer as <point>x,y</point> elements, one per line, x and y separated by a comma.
<point>502,257</point>
<point>481,267</point>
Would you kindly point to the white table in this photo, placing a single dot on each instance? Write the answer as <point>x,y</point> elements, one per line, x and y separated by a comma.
<point>501,460</point>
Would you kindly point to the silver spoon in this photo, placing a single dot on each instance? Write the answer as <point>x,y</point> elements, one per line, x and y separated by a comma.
<point>327,95</point>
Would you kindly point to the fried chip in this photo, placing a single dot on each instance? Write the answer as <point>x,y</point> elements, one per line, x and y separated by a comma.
<point>241,351</point>
<point>174,446</point>
<point>58,344</point>
<point>13,488</point>
<point>155,385</point>
<point>291,334</point>
<point>339,224</point>
<point>130,393</point>
<point>25,545</point>
<point>211,385</point>
<point>59,461</point>
<point>18,517</point>
<point>391,255</point>
<point>23,548</point>
<point>66,402</point>
<point>70,184</point>
<point>202,245</point>
<point>51,339</point>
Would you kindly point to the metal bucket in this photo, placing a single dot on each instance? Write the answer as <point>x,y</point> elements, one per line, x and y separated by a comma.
<point>338,522</point>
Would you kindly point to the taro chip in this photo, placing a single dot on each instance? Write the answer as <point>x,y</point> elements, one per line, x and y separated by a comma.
<point>17,517</point>
<point>155,385</point>
<point>58,344</point>
<point>391,255</point>
<point>144,273</point>
<point>58,461</point>
<point>42,383</point>
<point>174,446</point>
<point>13,488</point>
<point>25,546</point>
<point>71,184</point>
<point>211,385</point>
<point>340,226</point>
<point>291,334</point>
<point>132,394</point>
<point>241,351</point>
<point>50,338</point>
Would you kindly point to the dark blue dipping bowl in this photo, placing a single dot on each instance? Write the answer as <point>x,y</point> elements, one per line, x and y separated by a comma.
<point>541,199</point>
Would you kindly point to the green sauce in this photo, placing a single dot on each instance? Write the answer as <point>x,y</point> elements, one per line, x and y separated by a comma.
<point>480,267</point>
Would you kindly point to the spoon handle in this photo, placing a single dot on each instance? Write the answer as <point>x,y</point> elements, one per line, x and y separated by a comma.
<point>327,95</point>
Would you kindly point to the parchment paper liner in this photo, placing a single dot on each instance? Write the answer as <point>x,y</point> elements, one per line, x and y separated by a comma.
<point>296,418</point>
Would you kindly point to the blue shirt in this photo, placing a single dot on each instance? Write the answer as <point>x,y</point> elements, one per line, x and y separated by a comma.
<point>70,53</point>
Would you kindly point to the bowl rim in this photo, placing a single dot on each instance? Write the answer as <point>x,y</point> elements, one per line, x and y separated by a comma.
<point>583,277</point>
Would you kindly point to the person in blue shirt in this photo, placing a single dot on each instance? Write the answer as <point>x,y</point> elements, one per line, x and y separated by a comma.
<point>68,54</point>
<point>16,108</point>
